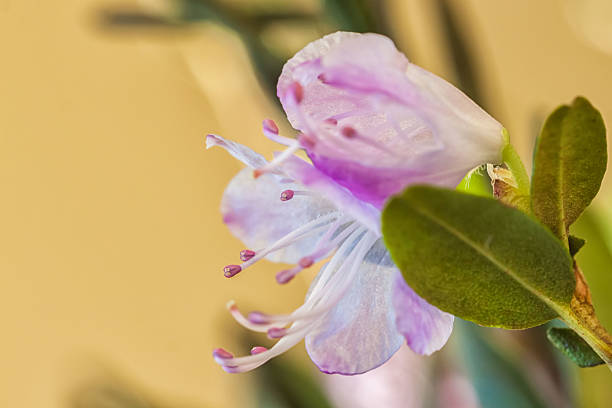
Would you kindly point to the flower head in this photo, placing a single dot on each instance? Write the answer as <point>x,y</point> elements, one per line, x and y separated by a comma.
<point>371,124</point>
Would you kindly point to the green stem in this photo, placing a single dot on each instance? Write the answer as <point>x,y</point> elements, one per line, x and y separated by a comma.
<point>581,318</point>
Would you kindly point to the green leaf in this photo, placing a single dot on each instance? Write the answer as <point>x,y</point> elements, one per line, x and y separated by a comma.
<point>477,258</point>
<point>575,244</point>
<point>569,164</point>
<point>573,346</point>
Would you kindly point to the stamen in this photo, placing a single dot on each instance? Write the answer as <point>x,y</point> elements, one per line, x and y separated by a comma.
<point>262,322</point>
<point>348,114</point>
<point>296,91</point>
<point>315,306</point>
<point>222,354</point>
<point>231,270</point>
<point>287,275</point>
<point>351,133</point>
<point>243,321</point>
<point>278,160</point>
<point>331,121</point>
<point>341,282</point>
<point>289,194</point>
<point>306,141</point>
<point>246,254</point>
<point>286,195</point>
<point>277,332</point>
<point>293,236</point>
<point>270,130</point>
<point>257,350</point>
<point>348,132</point>
<point>306,262</point>
<point>247,363</point>
<point>270,126</point>
<point>258,318</point>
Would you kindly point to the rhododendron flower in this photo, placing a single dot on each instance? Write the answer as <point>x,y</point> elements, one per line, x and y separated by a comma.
<point>371,124</point>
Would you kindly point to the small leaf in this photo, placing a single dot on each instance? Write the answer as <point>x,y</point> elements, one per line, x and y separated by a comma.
<point>575,244</point>
<point>573,346</point>
<point>477,258</point>
<point>569,164</point>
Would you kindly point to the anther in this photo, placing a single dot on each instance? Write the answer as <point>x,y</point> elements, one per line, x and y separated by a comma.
<point>331,121</point>
<point>270,126</point>
<point>296,90</point>
<point>231,270</point>
<point>348,132</point>
<point>222,354</point>
<point>306,262</point>
<point>287,195</point>
<point>258,318</point>
<point>258,349</point>
<point>246,254</point>
<point>306,141</point>
<point>276,332</point>
<point>285,276</point>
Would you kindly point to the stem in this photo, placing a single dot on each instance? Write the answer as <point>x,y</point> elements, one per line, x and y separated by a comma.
<point>581,318</point>
<point>593,333</point>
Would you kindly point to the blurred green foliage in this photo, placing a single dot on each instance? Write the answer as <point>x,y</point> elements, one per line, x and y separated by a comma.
<point>249,22</point>
<point>499,380</point>
<point>281,384</point>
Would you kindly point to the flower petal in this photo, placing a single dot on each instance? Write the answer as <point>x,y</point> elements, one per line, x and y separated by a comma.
<point>425,327</point>
<point>254,213</point>
<point>358,333</point>
<point>405,124</point>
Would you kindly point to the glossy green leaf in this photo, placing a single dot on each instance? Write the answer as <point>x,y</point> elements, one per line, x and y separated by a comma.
<point>573,346</point>
<point>477,258</point>
<point>569,164</point>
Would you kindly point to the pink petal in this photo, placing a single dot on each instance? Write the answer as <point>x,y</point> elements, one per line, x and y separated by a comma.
<point>411,126</point>
<point>359,333</point>
<point>425,327</point>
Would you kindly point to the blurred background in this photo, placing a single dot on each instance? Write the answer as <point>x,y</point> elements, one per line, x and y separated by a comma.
<point>111,243</point>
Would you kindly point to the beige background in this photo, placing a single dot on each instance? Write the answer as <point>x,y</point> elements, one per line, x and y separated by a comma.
<point>111,243</point>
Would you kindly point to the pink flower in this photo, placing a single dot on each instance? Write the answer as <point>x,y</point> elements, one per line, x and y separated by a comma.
<point>371,124</point>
